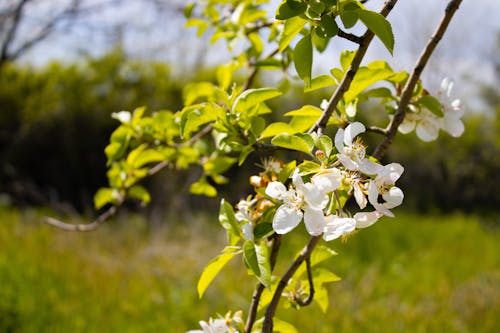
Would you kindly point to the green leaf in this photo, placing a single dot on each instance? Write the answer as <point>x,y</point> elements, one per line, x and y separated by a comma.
<point>104,196</point>
<point>346,58</point>
<point>432,104</point>
<point>364,78</point>
<point>217,164</point>
<point>320,43</point>
<point>140,193</point>
<point>379,25</point>
<point>287,171</point>
<point>196,90</point>
<point>245,151</point>
<point>256,258</point>
<point>252,97</point>
<point>202,187</point>
<point>308,167</point>
<point>290,8</point>
<point>229,222</point>
<point>145,157</point>
<point>349,18</point>
<point>329,27</point>
<point>194,116</point>
<point>321,298</point>
<point>281,326</point>
<point>214,267</point>
<point>303,59</point>
<point>262,230</point>
<point>305,111</point>
<point>320,82</point>
<point>292,27</point>
<point>325,144</point>
<point>291,142</point>
<point>277,128</point>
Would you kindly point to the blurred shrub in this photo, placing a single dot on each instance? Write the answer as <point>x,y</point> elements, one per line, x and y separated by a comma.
<point>55,122</point>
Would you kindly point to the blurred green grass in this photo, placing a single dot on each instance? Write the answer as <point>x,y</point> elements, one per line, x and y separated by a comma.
<point>411,274</point>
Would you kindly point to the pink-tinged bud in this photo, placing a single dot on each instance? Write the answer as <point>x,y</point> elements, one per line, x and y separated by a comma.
<point>319,154</point>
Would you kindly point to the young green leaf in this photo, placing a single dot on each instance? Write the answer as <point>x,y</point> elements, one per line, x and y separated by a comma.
<point>292,27</point>
<point>325,144</point>
<point>214,267</point>
<point>379,25</point>
<point>256,258</point>
<point>202,187</point>
<point>291,142</point>
<point>140,193</point>
<point>319,82</point>
<point>228,220</point>
<point>252,97</point>
<point>432,104</point>
<point>104,196</point>
<point>290,8</point>
<point>303,59</point>
<point>277,128</point>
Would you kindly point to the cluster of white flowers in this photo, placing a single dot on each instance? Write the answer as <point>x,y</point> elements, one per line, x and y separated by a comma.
<point>219,325</point>
<point>310,201</point>
<point>427,124</point>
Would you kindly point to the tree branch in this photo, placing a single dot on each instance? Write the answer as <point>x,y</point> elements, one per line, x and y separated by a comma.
<point>252,313</point>
<point>350,37</point>
<point>271,309</point>
<point>349,75</point>
<point>310,297</point>
<point>409,87</point>
<point>11,33</point>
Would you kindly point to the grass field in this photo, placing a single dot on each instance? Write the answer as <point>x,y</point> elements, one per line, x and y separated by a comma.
<point>410,274</point>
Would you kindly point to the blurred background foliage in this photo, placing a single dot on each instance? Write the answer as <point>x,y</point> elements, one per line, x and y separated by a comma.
<point>55,122</point>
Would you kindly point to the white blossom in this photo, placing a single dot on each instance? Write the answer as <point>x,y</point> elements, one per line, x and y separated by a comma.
<point>383,185</point>
<point>219,325</point>
<point>303,201</point>
<point>352,153</point>
<point>336,227</point>
<point>122,116</point>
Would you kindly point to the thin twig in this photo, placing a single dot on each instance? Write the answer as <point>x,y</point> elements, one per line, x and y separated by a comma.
<point>310,297</point>
<point>271,309</point>
<point>409,87</point>
<point>252,313</point>
<point>350,37</point>
<point>349,75</point>
<point>256,70</point>
<point>111,211</point>
<point>378,130</point>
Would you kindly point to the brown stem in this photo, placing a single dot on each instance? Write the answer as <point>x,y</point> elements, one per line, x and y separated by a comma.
<point>273,305</point>
<point>310,297</point>
<point>350,37</point>
<point>252,313</point>
<point>409,87</point>
<point>349,75</point>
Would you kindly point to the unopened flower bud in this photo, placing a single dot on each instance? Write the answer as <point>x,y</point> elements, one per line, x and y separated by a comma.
<point>319,154</point>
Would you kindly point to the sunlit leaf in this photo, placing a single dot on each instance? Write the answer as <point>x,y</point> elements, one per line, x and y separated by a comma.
<point>303,59</point>
<point>291,142</point>
<point>277,128</point>
<point>252,97</point>
<point>292,27</point>
<point>256,258</point>
<point>379,25</point>
<point>214,267</point>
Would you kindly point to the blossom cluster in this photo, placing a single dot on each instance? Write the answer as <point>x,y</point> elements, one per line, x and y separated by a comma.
<point>428,124</point>
<point>312,200</point>
<point>220,325</point>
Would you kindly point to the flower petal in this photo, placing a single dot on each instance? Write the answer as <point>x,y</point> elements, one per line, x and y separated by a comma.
<point>347,162</point>
<point>286,218</point>
<point>337,226</point>
<point>359,195</point>
<point>352,131</point>
<point>314,197</point>
<point>276,190</point>
<point>393,198</point>
<point>366,219</point>
<point>328,180</point>
<point>314,219</point>
<point>453,125</point>
<point>407,125</point>
<point>428,130</point>
<point>369,167</point>
<point>339,140</point>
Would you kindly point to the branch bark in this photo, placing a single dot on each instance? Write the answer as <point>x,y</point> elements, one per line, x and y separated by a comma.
<point>349,75</point>
<point>409,87</point>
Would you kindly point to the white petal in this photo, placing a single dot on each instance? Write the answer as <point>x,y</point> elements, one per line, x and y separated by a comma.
<point>328,180</point>
<point>122,116</point>
<point>427,130</point>
<point>247,230</point>
<point>392,172</point>
<point>276,190</point>
<point>366,219</point>
<point>286,218</point>
<point>393,198</point>
<point>314,197</point>
<point>407,125</point>
<point>369,167</point>
<point>338,226</point>
<point>352,131</point>
<point>339,140</point>
<point>372,193</point>
<point>359,195</point>
<point>297,179</point>
<point>453,125</point>
<point>314,220</point>
<point>347,162</point>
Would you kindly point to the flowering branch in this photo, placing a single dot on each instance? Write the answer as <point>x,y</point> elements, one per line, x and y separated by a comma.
<point>273,305</point>
<point>349,75</point>
<point>409,87</point>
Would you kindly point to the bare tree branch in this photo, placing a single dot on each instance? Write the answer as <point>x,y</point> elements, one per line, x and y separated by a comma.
<point>349,75</point>
<point>409,87</point>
